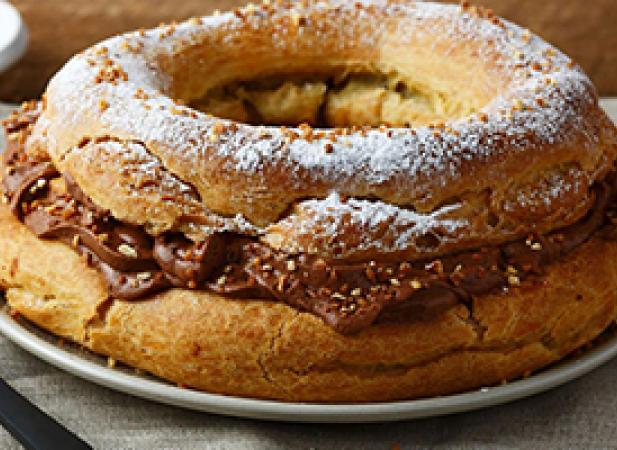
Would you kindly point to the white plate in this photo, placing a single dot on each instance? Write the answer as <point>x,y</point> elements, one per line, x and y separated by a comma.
<point>13,36</point>
<point>94,368</point>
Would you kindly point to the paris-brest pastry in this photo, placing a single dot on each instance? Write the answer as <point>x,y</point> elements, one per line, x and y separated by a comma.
<point>317,201</point>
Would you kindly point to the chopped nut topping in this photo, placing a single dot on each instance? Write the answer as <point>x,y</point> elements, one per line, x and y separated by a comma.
<point>40,184</point>
<point>219,128</point>
<point>549,52</point>
<point>127,250</point>
<point>280,286</point>
<point>404,267</point>
<point>513,280</point>
<point>291,265</point>
<point>144,276</point>
<point>415,284</point>
<point>319,264</point>
<point>256,261</point>
<point>102,51</point>
<point>435,266</point>
<point>140,94</point>
<point>518,105</point>
<point>349,308</point>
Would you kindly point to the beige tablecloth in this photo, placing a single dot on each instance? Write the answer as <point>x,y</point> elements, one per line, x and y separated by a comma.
<point>582,414</point>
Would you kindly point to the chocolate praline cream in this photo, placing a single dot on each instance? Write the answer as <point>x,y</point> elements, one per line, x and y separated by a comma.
<point>349,297</point>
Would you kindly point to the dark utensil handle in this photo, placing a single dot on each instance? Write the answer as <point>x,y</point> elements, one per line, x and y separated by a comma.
<point>34,429</point>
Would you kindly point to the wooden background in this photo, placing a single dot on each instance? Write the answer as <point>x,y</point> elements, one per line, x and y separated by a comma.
<point>587,30</point>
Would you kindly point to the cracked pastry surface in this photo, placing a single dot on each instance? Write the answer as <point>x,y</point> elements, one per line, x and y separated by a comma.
<point>267,349</point>
<point>350,227</point>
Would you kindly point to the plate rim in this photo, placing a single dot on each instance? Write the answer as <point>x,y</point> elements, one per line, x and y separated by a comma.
<point>163,392</point>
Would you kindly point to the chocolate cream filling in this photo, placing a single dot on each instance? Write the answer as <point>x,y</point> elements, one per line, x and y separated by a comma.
<point>348,297</point>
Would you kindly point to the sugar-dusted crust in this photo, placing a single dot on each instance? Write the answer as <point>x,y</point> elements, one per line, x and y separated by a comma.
<point>269,350</point>
<point>522,162</point>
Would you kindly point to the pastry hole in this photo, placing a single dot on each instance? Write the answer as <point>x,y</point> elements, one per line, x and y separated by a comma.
<point>332,100</point>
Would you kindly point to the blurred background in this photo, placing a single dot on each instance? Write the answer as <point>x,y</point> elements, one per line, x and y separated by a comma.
<point>585,29</point>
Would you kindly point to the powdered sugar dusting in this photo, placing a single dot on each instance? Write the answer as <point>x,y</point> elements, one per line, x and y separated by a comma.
<point>564,97</point>
<point>544,105</point>
<point>374,226</point>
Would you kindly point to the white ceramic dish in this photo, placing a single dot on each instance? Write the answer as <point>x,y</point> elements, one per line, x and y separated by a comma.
<point>94,368</point>
<point>13,36</point>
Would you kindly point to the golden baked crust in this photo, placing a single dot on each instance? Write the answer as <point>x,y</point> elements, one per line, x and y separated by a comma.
<point>535,128</point>
<point>269,350</point>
